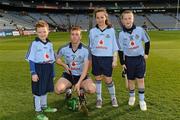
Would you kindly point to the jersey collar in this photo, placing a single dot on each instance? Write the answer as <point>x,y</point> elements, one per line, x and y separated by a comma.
<point>108,27</point>
<point>129,30</point>
<point>79,47</point>
<point>38,39</point>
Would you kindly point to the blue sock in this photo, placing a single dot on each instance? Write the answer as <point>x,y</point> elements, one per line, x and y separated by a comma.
<point>141,94</point>
<point>37,103</point>
<point>43,101</point>
<point>131,93</point>
<point>98,89</point>
<point>111,89</point>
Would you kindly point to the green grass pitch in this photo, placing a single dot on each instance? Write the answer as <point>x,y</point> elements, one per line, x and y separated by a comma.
<point>162,83</point>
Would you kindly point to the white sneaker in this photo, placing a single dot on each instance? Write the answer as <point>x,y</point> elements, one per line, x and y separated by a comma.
<point>114,102</point>
<point>143,105</point>
<point>98,103</point>
<point>68,93</point>
<point>131,101</point>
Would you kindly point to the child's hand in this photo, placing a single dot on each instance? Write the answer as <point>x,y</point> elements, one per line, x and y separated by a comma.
<point>67,69</point>
<point>145,57</point>
<point>35,78</point>
<point>77,88</point>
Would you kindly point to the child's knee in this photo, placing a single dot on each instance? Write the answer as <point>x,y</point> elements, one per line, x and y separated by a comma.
<point>91,89</point>
<point>108,80</point>
<point>131,84</point>
<point>98,77</point>
<point>60,89</point>
<point>140,83</point>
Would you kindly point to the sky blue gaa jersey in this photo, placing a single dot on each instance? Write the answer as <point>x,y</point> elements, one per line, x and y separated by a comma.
<point>74,59</point>
<point>40,52</point>
<point>102,42</point>
<point>131,44</point>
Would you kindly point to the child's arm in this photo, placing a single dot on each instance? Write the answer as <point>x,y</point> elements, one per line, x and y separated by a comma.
<point>30,56</point>
<point>147,47</point>
<point>33,71</point>
<point>114,64</point>
<point>32,67</point>
<point>120,51</point>
<point>115,49</point>
<point>60,53</point>
<point>65,66</point>
<point>146,39</point>
<point>121,57</point>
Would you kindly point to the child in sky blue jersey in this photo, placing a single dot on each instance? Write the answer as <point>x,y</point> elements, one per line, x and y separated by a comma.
<point>41,59</point>
<point>132,56</point>
<point>75,63</point>
<point>103,48</point>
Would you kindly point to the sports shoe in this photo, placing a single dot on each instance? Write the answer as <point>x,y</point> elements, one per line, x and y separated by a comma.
<point>114,102</point>
<point>131,101</point>
<point>41,116</point>
<point>143,105</point>
<point>82,97</point>
<point>98,103</point>
<point>83,103</point>
<point>68,94</point>
<point>49,110</point>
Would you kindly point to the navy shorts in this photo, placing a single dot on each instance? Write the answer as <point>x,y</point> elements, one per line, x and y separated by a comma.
<point>45,84</point>
<point>72,79</point>
<point>102,66</point>
<point>136,67</point>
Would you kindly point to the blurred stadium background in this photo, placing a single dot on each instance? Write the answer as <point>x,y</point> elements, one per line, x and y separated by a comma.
<point>159,17</point>
<point>19,16</point>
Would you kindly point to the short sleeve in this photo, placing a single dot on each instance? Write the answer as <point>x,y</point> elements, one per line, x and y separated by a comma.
<point>145,36</point>
<point>60,53</point>
<point>86,54</point>
<point>90,39</point>
<point>30,56</point>
<point>115,46</point>
<point>120,42</point>
<point>53,54</point>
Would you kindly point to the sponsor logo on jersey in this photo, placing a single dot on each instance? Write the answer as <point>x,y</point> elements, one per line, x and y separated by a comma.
<point>46,56</point>
<point>74,66</point>
<point>133,45</point>
<point>107,36</point>
<point>101,45</point>
<point>137,36</point>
